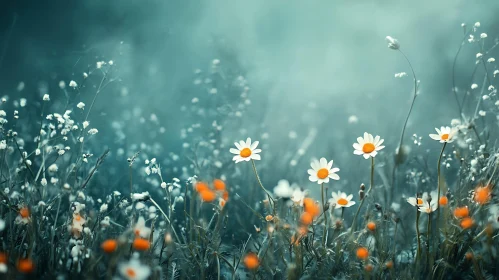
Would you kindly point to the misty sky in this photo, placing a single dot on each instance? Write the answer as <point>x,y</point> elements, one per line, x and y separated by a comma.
<point>312,63</point>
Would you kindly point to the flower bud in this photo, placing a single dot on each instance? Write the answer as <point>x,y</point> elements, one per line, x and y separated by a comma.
<point>392,43</point>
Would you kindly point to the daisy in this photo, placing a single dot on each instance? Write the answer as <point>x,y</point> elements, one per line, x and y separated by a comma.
<point>134,270</point>
<point>368,146</point>
<point>445,134</point>
<point>340,200</point>
<point>283,189</point>
<point>428,207</point>
<point>420,201</point>
<point>140,228</point>
<point>322,170</point>
<point>298,196</point>
<point>245,151</point>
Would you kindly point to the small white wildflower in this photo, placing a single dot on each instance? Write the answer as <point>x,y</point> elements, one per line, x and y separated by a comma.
<point>163,185</point>
<point>46,97</point>
<point>400,75</point>
<point>147,169</point>
<point>474,86</point>
<point>215,62</point>
<point>140,196</point>
<point>38,152</point>
<point>22,102</point>
<point>490,60</point>
<point>43,182</point>
<point>479,55</point>
<point>85,75</point>
<point>99,64</point>
<point>62,85</point>
<point>72,84</point>
<point>482,113</point>
<point>496,72</point>
<point>103,208</point>
<point>85,124</point>
<point>195,100</point>
<point>477,24</point>
<point>92,131</point>
<point>53,168</point>
<point>392,43</point>
<point>54,180</point>
<point>491,88</point>
<point>213,91</point>
<point>485,97</point>
<point>111,62</point>
<point>497,103</point>
<point>80,105</point>
<point>483,35</point>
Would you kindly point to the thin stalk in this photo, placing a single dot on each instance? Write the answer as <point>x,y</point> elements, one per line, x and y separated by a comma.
<point>439,190</point>
<point>271,200</point>
<point>325,216</point>
<point>418,252</point>
<point>371,183</point>
<point>166,217</point>
<point>428,235</point>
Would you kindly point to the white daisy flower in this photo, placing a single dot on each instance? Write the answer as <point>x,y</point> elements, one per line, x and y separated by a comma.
<point>340,199</point>
<point>134,270</point>
<point>368,146</point>
<point>245,151</point>
<point>298,196</point>
<point>140,228</point>
<point>429,207</point>
<point>420,201</point>
<point>322,170</point>
<point>445,134</point>
<point>283,189</point>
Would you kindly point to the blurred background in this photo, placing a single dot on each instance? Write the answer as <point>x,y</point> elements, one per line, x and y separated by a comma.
<point>320,66</point>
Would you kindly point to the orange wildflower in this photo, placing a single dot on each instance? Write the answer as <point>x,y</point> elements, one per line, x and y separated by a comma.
<point>219,185</point>
<point>443,201</point>
<point>461,212</point>
<point>25,266</point>
<point>109,245</point>
<point>225,195</point>
<point>251,261</point>
<point>269,218</point>
<point>3,257</point>
<point>208,195</point>
<point>482,195</point>
<point>389,264</point>
<point>311,207</point>
<point>369,267</point>
<point>468,256</point>
<point>24,212</point>
<point>467,223</point>
<point>202,186</point>
<point>362,253</point>
<point>371,226</point>
<point>141,244</point>
<point>306,218</point>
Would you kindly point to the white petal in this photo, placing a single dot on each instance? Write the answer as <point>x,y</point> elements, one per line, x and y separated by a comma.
<point>357,146</point>
<point>311,172</point>
<point>361,141</point>
<point>323,163</point>
<point>254,145</point>
<point>256,151</point>
<point>435,136</point>
<point>380,142</point>
<point>255,157</point>
<point>238,146</point>
<point>376,139</point>
<point>357,152</point>
<point>334,176</point>
<point>349,197</point>
<point>366,156</point>
<point>330,164</point>
<point>373,153</point>
<point>334,170</point>
<point>234,151</point>
<point>248,142</point>
<point>315,165</point>
<point>313,178</point>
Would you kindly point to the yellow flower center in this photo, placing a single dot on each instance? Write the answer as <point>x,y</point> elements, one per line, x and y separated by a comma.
<point>130,272</point>
<point>246,152</point>
<point>342,201</point>
<point>420,201</point>
<point>368,148</point>
<point>322,173</point>
<point>445,136</point>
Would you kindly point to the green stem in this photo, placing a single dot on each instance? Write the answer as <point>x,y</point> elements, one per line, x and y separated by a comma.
<point>271,200</point>
<point>439,187</point>
<point>325,216</point>
<point>418,252</point>
<point>367,194</point>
